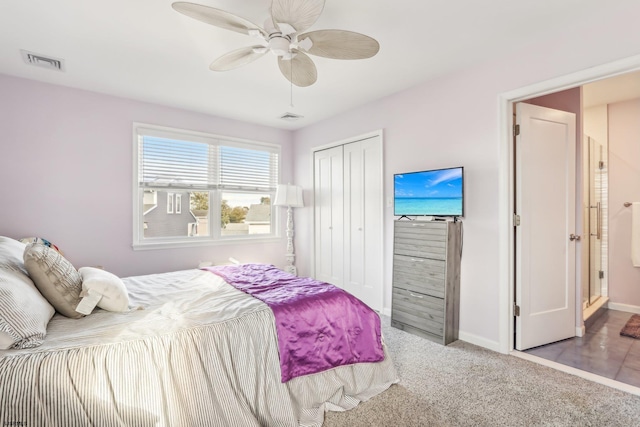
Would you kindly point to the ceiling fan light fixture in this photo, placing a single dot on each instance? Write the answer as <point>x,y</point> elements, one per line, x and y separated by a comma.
<point>279,45</point>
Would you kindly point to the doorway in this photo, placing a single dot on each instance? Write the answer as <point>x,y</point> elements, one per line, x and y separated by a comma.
<point>507,185</point>
<point>594,220</point>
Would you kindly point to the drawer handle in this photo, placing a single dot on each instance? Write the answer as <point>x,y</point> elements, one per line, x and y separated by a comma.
<point>416,260</point>
<point>414,295</point>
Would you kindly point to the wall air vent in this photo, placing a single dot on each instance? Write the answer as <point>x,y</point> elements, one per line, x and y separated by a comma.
<point>42,61</point>
<point>291,117</point>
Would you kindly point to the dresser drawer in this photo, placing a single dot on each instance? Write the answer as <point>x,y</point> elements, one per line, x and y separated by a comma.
<point>432,250</point>
<point>417,310</point>
<point>424,228</point>
<point>421,240</point>
<point>422,275</point>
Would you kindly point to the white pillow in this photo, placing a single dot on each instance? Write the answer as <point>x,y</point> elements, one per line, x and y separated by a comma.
<point>106,288</point>
<point>24,312</point>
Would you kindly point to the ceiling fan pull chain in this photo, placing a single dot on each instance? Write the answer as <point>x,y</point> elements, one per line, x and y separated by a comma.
<point>291,81</point>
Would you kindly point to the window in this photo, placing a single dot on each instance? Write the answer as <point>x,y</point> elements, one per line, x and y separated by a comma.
<point>228,183</point>
<point>178,203</point>
<point>169,203</point>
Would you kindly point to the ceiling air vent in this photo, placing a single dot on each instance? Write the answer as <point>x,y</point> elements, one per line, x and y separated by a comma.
<point>42,61</point>
<point>291,117</point>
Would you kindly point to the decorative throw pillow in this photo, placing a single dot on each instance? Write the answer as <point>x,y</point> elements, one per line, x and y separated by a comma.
<point>106,289</point>
<point>58,281</point>
<point>24,312</point>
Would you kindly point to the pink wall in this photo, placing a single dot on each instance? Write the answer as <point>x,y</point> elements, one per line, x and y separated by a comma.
<point>624,186</point>
<point>66,174</point>
<point>454,121</point>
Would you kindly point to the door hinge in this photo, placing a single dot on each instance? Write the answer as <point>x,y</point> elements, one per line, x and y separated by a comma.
<point>600,165</point>
<point>516,310</point>
<point>516,130</point>
<point>600,274</point>
<point>516,220</point>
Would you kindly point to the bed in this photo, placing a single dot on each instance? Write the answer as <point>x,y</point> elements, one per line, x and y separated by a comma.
<point>191,350</point>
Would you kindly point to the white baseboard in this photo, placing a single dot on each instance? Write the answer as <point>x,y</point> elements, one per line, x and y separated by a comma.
<point>623,307</point>
<point>386,311</point>
<point>479,341</point>
<point>580,331</point>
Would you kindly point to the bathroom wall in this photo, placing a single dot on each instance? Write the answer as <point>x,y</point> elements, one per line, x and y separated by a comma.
<point>624,184</point>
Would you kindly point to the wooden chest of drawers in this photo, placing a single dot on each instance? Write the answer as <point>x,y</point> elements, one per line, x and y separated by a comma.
<point>426,278</point>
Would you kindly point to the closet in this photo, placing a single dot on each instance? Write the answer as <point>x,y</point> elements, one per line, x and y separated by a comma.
<point>348,226</point>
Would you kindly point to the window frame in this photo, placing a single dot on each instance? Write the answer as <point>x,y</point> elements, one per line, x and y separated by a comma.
<point>215,195</point>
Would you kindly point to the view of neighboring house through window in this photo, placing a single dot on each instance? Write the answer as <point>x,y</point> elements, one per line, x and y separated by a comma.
<point>199,177</point>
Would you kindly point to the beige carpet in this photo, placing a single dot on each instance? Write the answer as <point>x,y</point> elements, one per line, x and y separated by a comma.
<point>466,385</point>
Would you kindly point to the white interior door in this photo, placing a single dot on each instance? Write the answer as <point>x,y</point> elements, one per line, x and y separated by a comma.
<point>363,221</point>
<point>545,202</point>
<point>328,196</point>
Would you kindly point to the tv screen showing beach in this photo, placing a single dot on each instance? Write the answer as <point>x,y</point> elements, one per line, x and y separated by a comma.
<point>436,192</point>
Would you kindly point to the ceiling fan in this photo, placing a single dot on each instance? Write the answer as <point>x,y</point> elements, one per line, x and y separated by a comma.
<point>282,34</point>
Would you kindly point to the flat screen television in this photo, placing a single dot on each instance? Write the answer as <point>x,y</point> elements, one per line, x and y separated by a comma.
<point>436,192</point>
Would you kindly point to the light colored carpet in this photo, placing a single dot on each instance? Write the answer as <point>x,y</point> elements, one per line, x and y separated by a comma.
<point>466,385</point>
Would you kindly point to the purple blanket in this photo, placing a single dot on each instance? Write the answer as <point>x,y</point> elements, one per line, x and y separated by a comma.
<point>319,326</point>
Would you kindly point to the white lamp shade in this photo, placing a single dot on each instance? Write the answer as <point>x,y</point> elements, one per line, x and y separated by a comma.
<point>289,195</point>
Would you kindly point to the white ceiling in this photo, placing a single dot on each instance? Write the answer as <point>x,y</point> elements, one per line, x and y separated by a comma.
<point>144,50</point>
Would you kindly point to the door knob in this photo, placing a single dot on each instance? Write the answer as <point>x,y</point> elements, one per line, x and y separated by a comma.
<point>573,237</point>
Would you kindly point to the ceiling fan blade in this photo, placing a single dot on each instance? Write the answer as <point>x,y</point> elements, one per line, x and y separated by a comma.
<point>300,70</point>
<point>238,58</point>
<point>217,17</point>
<point>340,44</point>
<point>300,14</point>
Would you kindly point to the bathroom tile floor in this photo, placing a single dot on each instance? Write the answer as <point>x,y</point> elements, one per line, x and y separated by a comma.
<point>602,350</point>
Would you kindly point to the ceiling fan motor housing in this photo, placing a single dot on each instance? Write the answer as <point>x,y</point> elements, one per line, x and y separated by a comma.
<point>279,45</point>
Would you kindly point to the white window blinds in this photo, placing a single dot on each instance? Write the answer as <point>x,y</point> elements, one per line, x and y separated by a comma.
<point>242,168</point>
<point>214,164</point>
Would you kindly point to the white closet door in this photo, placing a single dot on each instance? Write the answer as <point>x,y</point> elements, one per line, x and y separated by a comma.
<point>328,197</point>
<point>363,221</point>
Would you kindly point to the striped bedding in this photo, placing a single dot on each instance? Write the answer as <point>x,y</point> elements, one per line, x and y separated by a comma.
<point>196,352</point>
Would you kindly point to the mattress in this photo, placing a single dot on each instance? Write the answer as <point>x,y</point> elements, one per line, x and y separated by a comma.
<point>192,351</point>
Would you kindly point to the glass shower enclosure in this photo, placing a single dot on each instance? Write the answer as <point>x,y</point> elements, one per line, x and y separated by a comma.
<point>595,227</point>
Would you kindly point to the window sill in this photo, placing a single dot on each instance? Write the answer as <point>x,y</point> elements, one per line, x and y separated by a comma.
<point>200,243</point>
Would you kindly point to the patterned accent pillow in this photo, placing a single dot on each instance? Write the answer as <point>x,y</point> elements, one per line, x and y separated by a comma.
<point>56,278</point>
<point>24,312</point>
